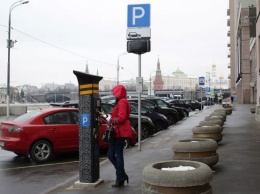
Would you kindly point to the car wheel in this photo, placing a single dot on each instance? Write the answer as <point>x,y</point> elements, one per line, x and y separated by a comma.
<point>41,151</point>
<point>189,109</point>
<point>145,132</point>
<point>170,119</point>
<point>185,114</point>
<point>158,126</point>
<point>126,143</point>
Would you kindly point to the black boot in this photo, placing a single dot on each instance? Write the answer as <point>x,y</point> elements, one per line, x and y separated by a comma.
<point>126,178</point>
<point>119,183</point>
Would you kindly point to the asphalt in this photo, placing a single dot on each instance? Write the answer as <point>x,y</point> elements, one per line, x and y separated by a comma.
<point>237,172</point>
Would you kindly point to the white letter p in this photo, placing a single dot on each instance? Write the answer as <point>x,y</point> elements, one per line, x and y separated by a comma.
<point>137,16</point>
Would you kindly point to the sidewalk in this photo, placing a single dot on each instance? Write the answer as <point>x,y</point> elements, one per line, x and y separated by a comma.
<point>237,172</point>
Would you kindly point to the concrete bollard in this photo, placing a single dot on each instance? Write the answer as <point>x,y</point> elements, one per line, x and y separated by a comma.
<point>212,122</point>
<point>211,117</point>
<point>223,114</point>
<point>209,132</point>
<point>197,180</point>
<point>200,150</point>
<point>252,109</point>
<point>228,108</point>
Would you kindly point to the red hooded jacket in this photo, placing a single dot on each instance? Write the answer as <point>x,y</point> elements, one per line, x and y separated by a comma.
<point>121,113</point>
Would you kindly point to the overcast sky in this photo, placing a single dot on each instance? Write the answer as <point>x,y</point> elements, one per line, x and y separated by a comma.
<point>55,37</point>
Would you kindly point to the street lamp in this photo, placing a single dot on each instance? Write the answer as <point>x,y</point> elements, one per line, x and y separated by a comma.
<point>220,80</point>
<point>118,67</point>
<point>151,82</point>
<point>10,44</point>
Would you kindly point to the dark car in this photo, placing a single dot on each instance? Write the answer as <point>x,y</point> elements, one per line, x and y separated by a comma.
<point>163,104</point>
<point>206,101</point>
<point>180,103</point>
<point>180,110</point>
<point>194,103</point>
<point>160,121</point>
<point>171,114</point>
<point>147,125</point>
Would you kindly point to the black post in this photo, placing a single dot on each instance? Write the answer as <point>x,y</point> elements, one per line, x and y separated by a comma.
<point>89,106</point>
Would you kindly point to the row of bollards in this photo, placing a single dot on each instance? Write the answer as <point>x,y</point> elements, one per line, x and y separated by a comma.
<point>190,171</point>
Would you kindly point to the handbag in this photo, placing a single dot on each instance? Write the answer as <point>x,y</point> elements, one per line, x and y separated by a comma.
<point>109,134</point>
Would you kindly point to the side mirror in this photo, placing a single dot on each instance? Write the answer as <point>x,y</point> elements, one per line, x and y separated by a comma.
<point>156,108</point>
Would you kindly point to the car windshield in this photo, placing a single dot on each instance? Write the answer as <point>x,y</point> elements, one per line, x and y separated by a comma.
<point>148,104</point>
<point>134,108</point>
<point>107,108</point>
<point>162,104</point>
<point>27,116</point>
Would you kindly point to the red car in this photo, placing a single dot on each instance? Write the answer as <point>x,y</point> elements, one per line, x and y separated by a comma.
<point>39,134</point>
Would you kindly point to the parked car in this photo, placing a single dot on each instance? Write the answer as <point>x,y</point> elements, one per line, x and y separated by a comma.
<point>147,126</point>
<point>180,110</point>
<point>163,104</point>
<point>42,133</point>
<point>194,103</point>
<point>206,102</point>
<point>160,121</point>
<point>171,114</point>
<point>180,103</point>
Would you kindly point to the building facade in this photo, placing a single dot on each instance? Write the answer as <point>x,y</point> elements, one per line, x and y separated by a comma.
<point>241,51</point>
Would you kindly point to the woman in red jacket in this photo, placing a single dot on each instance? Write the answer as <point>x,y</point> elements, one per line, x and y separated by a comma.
<point>120,118</point>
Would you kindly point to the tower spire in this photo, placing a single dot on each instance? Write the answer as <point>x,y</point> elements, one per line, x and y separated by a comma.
<point>158,82</point>
<point>158,63</point>
<point>86,70</point>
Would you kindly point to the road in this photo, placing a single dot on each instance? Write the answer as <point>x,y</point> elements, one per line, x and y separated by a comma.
<point>22,175</point>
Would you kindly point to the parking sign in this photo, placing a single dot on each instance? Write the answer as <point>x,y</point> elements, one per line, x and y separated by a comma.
<point>201,81</point>
<point>85,120</point>
<point>138,15</point>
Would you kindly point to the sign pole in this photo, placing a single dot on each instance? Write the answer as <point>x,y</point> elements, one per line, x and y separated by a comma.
<point>201,84</point>
<point>201,100</point>
<point>139,104</point>
<point>138,35</point>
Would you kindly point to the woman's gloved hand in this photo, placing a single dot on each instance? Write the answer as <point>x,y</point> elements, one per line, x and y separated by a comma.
<point>114,120</point>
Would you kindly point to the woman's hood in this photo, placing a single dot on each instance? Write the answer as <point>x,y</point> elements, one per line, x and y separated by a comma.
<point>119,91</point>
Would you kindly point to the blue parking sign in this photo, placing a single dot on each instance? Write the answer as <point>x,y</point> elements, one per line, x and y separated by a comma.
<point>138,15</point>
<point>85,120</point>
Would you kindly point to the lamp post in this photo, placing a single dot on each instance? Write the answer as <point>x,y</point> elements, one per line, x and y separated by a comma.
<point>10,44</point>
<point>220,80</point>
<point>118,67</point>
<point>151,82</point>
<point>220,91</point>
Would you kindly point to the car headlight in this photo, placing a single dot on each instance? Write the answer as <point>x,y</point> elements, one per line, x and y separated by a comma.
<point>15,129</point>
<point>148,119</point>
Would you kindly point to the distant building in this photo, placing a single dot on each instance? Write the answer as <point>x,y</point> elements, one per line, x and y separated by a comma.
<point>2,94</point>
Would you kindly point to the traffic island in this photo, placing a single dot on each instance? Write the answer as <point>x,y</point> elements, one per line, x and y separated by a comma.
<point>200,150</point>
<point>208,132</point>
<point>177,176</point>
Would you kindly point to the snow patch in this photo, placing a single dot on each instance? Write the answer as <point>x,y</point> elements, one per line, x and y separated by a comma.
<point>179,168</point>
